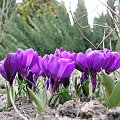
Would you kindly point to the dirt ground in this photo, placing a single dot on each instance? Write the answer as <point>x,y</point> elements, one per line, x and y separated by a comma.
<point>70,110</point>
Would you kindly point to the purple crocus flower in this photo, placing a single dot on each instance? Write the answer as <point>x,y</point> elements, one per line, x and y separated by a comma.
<point>90,63</point>
<point>116,63</point>
<point>29,65</point>
<point>111,60</point>
<point>57,71</point>
<point>65,54</point>
<point>28,60</point>
<point>9,67</point>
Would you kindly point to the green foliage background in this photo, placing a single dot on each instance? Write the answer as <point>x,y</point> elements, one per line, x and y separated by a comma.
<point>45,26</point>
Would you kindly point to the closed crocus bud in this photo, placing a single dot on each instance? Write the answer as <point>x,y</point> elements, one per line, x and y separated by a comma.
<point>94,61</point>
<point>9,67</point>
<point>114,63</point>
<point>111,60</point>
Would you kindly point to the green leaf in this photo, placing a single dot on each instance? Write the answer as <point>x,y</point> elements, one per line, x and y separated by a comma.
<point>37,101</point>
<point>66,94</point>
<point>44,95</point>
<point>106,101</point>
<point>108,82</point>
<point>75,85</point>
<point>54,99</point>
<point>8,96</point>
<point>115,96</point>
<point>86,88</point>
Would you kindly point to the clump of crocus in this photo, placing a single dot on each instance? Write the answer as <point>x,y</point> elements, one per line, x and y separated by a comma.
<point>56,70</point>
<point>58,67</point>
<point>29,66</point>
<point>25,63</point>
<point>93,62</point>
<point>89,64</point>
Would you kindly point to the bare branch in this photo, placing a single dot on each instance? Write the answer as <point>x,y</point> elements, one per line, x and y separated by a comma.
<point>114,22</point>
<point>103,38</point>
<point>85,14</point>
<point>80,18</point>
<point>109,8</point>
<point>76,23</point>
<point>104,26</point>
<point>107,36</point>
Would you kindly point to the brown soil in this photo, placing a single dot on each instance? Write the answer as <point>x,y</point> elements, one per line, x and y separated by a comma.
<point>70,110</point>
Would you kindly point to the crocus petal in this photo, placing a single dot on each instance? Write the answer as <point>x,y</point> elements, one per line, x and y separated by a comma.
<point>63,64</point>
<point>88,51</point>
<point>10,64</point>
<point>34,60</point>
<point>53,67</point>
<point>108,61</point>
<point>65,54</point>
<point>69,55</point>
<point>68,70</point>
<point>98,63</point>
<point>23,56</point>
<point>2,70</point>
<point>84,76</point>
<point>36,71</point>
<point>81,62</point>
<point>58,52</point>
<point>30,81</point>
<point>116,63</point>
<point>47,82</point>
<point>29,53</point>
<point>94,61</point>
<point>43,64</point>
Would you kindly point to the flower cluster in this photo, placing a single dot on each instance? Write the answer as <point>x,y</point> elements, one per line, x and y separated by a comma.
<point>57,67</point>
<point>25,63</point>
<point>56,70</point>
<point>93,62</point>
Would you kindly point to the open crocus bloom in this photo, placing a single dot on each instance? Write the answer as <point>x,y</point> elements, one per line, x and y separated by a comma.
<point>57,70</point>
<point>90,63</point>
<point>65,54</point>
<point>9,67</point>
<point>29,65</point>
<point>28,60</point>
